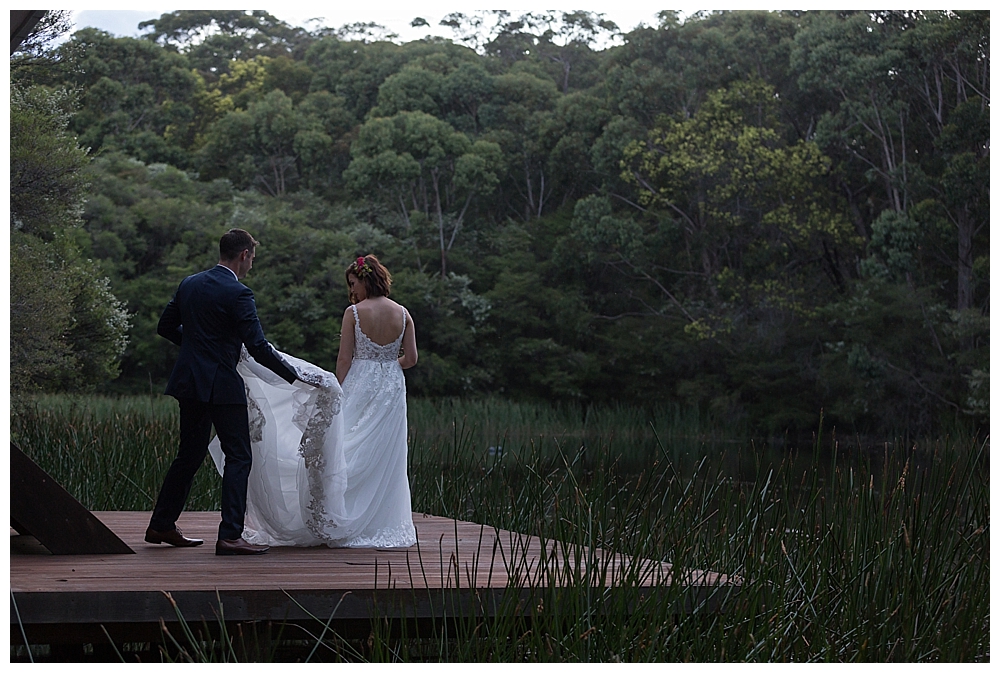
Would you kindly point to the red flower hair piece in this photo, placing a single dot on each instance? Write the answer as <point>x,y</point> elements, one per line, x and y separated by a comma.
<point>361,267</point>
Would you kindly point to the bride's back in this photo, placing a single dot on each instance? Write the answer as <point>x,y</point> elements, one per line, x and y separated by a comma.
<point>381,319</point>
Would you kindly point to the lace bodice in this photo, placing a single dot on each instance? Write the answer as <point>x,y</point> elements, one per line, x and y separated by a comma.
<point>366,349</point>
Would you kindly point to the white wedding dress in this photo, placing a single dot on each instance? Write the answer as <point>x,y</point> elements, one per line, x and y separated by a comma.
<point>329,462</point>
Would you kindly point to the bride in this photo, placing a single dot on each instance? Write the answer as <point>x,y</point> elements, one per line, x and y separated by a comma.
<point>329,459</point>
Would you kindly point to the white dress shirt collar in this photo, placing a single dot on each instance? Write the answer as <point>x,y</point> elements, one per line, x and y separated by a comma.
<point>230,271</point>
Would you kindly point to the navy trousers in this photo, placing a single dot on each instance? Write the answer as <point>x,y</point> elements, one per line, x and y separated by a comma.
<point>232,427</point>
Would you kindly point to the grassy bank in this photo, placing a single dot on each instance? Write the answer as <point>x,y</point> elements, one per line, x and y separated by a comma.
<point>851,553</point>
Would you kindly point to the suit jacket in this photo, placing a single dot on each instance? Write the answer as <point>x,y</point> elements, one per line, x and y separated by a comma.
<point>210,317</point>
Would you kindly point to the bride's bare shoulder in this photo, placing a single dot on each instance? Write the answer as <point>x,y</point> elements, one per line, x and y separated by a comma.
<point>398,307</point>
<point>388,305</point>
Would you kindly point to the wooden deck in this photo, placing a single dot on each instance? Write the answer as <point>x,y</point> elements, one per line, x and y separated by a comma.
<point>458,569</point>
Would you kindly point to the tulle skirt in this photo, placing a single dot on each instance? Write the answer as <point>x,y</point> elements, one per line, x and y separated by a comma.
<point>329,462</point>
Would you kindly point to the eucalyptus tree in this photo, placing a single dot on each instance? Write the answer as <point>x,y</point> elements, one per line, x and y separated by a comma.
<point>417,162</point>
<point>520,119</point>
<point>911,116</point>
<point>135,96</point>
<point>464,91</point>
<point>578,121</point>
<point>564,40</point>
<point>354,70</point>
<point>323,142</point>
<point>481,27</point>
<point>412,89</point>
<point>668,69</point>
<point>214,39</point>
<point>950,83</point>
<point>274,145</point>
<point>738,249</point>
<point>754,227</point>
<point>357,70</point>
<point>909,131</point>
<point>857,59</point>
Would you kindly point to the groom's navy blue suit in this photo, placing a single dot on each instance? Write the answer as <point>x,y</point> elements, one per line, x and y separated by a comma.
<point>210,317</point>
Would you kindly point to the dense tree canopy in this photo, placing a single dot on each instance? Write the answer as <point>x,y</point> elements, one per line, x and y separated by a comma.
<point>66,327</point>
<point>767,215</point>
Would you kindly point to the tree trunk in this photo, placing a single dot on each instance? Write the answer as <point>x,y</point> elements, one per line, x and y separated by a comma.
<point>440,219</point>
<point>531,199</point>
<point>852,204</point>
<point>541,192</point>
<point>966,230</point>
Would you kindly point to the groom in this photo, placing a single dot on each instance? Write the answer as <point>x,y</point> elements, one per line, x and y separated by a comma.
<point>210,317</point>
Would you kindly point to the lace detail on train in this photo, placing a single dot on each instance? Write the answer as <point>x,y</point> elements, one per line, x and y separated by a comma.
<point>366,349</point>
<point>317,420</point>
<point>403,535</point>
<point>329,462</point>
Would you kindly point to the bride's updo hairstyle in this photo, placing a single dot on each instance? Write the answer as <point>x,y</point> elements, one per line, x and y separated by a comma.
<point>372,273</point>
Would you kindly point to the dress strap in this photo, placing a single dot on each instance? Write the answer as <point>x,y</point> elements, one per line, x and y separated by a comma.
<point>404,319</point>
<point>357,326</point>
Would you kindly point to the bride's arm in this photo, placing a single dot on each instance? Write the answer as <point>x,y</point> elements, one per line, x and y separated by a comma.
<point>346,353</point>
<point>409,345</point>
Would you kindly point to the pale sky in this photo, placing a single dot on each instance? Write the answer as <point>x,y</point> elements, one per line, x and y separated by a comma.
<point>395,16</point>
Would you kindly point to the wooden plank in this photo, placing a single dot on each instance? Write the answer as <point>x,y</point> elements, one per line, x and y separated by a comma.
<point>46,510</point>
<point>448,554</point>
<point>457,567</point>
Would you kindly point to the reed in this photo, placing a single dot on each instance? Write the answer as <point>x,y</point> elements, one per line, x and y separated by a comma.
<point>110,453</point>
<point>861,556</point>
<point>848,552</point>
<point>634,435</point>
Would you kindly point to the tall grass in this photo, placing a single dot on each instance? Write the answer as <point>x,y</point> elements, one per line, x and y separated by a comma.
<point>870,555</point>
<point>847,553</point>
<point>633,434</point>
<point>110,453</point>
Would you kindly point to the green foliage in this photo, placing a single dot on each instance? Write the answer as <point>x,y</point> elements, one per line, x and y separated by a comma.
<point>745,198</point>
<point>894,242</point>
<point>39,317</point>
<point>422,163</point>
<point>602,233</point>
<point>214,39</point>
<point>889,355</point>
<point>275,146</point>
<point>781,169</point>
<point>137,97</point>
<point>906,115</point>
<point>68,330</point>
<point>46,165</point>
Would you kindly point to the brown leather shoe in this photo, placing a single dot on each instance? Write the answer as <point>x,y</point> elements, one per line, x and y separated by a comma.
<point>238,547</point>
<point>174,537</point>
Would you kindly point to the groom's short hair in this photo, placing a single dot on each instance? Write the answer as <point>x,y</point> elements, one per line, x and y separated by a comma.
<point>235,241</point>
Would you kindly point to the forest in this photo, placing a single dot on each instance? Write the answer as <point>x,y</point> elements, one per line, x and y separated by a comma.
<point>770,217</point>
